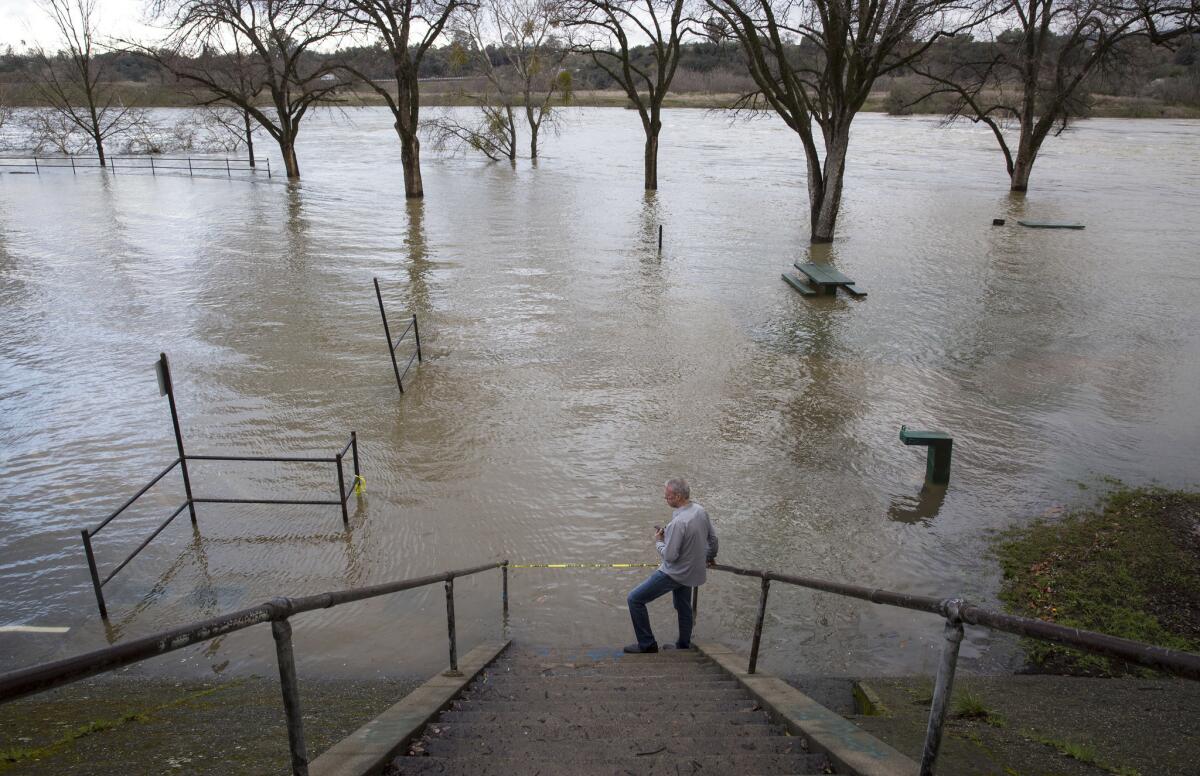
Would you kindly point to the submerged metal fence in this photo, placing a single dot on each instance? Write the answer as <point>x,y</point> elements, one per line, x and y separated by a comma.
<point>166,387</point>
<point>116,164</point>
<point>277,611</point>
<point>387,333</point>
<point>956,611</point>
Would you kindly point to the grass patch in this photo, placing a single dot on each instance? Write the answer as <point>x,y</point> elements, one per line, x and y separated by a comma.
<point>1083,753</point>
<point>1130,567</point>
<point>971,706</point>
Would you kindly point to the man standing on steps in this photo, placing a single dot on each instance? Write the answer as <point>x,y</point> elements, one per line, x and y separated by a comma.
<point>686,545</point>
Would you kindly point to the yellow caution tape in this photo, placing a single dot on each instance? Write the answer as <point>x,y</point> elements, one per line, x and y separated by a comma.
<point>359,484</point>
<point>583,565</point>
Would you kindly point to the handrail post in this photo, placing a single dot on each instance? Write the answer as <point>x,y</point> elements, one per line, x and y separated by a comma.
<point>72,158</point>
<point>169,386</point>
<point>758,624</point>
<point>91,559</point>
<point>342,495</point>
<point>387,333</point>
<point>282,631</point>
<point>417,334</point>
<point>943,687</point>
<point>450,628</point>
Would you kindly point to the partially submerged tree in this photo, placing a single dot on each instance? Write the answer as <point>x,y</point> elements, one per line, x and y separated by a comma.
<point>236,51</point>
<point>514,45</point>
<point>814,63</point>
<point>1032,73</point>
<point>71,82</point>
<point>612,29</point>
<point>406,30</point>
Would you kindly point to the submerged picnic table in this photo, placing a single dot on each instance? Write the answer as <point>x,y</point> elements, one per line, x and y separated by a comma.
<point>822,279</point>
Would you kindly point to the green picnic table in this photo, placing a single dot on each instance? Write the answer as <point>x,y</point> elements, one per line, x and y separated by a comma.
<point>821,279</point>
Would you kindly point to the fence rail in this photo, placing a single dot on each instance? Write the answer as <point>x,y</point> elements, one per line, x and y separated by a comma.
<point>47,676</point>
<point>116,163</point>
<point>957,612</point>
<point>167,387</point>
<point>392,345</point>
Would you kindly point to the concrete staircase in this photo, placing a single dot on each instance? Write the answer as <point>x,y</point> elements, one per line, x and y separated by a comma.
<point>536,711</point>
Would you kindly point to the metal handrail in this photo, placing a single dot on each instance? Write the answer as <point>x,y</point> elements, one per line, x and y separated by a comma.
<point>956,612</point>
<point>47,676</point>
<point>387,333</point>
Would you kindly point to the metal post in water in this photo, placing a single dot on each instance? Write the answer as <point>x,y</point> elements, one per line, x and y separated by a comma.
<point>169,387</point>
<point>417,334</point>
<point>91,560</point>
<point>72,158</point>
<point>358,480</point>
<point>152,173</point>
<point>388,334</point>
<point>450,628</point>
<point>189,166</point>
<point>282,631</point>
<point>504,589</point>
<point>758,625</point>
<point>660,238</point>
<point>268,167</point>
<point>943,688</point>
<point>228,171</point>
<point>342,489</point>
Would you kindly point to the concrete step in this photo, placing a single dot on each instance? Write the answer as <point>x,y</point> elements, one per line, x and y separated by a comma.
<point>591,749</point>
<point>552,690</point>
<point>672,765</point>
<point>644,705</point>
<point>610,669</point>
<point>708,680</point>
<point>635,720</point>
<point>594,731</point>
<point>606,655</point>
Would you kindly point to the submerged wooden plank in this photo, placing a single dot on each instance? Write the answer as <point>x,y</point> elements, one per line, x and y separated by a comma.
<point>799,285</point>
<point>1049,225</point>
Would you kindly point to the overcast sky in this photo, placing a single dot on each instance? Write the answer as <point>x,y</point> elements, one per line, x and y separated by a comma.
<point>24,20</point>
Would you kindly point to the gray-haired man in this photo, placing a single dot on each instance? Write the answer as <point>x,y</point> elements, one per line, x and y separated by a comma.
<point>686,545</point>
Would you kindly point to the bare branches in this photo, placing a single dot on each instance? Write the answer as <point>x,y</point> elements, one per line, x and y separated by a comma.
<point>815,61</point>
<point>71,81</point>
<point>406,29</point>
<point>237,52</point>
<point>609,30</point>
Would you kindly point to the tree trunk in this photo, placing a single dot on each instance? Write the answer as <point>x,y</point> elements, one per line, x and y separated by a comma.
<point>825,200</point>
<point>652,158</point>
<point>249,136</point>
<point>410,159</point>
<point>534,126</point>
<point>1027,150</point>
<point>287,149</point>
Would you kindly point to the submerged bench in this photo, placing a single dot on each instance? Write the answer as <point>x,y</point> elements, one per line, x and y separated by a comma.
<point>822,279</point>
<point>1049,225</point>
<point>937,462</point>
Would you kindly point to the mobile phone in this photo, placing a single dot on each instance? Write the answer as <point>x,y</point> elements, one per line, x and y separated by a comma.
<point>658,528</point>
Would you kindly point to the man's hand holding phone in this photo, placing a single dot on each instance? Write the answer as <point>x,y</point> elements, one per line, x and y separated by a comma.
<point>659,533</point>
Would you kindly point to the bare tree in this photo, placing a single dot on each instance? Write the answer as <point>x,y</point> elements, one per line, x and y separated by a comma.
<point>814,62</point>
<point>514,44</point>
<point>535,47</point>
<point>235,51</point>
<point>407,29</point>
<point>612,29</point>
<point>1032,73</point>
<point>71,80</point>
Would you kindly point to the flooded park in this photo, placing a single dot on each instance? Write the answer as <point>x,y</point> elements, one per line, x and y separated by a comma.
<point>571,366</point>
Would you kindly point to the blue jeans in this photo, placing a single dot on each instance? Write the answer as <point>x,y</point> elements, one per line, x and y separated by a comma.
<point>658,585</point>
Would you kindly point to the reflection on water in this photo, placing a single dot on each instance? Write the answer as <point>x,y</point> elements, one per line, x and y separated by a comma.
<point>571,368</point>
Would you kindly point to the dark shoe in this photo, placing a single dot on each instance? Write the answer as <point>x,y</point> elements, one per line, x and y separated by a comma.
<point>635,649</point>
<point>676,645</point>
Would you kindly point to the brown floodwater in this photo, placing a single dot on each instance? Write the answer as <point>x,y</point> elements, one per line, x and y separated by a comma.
<point>571,368</point>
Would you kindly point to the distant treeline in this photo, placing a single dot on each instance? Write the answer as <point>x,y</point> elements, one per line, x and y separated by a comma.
<point>1145,71</point>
